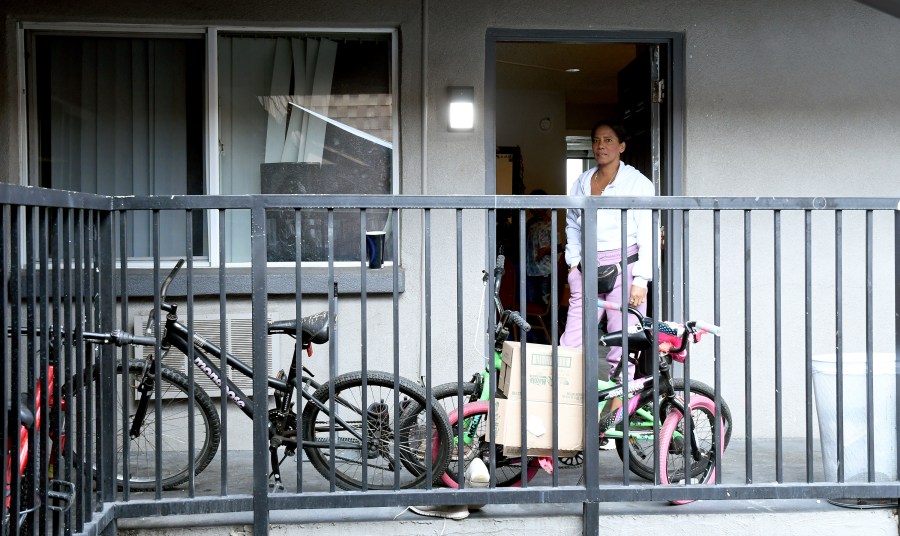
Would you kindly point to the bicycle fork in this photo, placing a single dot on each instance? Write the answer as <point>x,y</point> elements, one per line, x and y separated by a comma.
<point>694,442</point>
<point>145,388</point>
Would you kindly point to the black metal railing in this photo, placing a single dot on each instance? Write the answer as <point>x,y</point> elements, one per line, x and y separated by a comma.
<point>791,281</point>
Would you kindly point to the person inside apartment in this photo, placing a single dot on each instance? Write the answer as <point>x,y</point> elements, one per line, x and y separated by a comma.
<point>610,177</point>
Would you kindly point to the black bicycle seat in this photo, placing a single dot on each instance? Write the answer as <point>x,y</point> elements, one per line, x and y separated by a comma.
<point>314,327</point>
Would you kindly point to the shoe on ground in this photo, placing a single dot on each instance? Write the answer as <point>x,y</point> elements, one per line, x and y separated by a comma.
<point>477,474</point>
<point>447,511</point>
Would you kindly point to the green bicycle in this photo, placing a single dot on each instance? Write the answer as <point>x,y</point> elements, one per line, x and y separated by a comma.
<point>640,438</point>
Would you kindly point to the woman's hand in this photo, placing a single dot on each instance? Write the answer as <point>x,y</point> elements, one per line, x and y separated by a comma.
<point>638,296</point>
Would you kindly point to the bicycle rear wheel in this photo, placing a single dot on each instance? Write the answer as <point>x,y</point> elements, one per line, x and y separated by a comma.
<point>475,424</point>
<point>174,466</point>
<point>508,469</point>
<point>672,443</point>
<point>447,395</point>
<point>642,455</point>
<point>377,467</point>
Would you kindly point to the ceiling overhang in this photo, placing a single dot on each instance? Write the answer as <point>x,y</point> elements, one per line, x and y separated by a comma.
<point>891,7</point>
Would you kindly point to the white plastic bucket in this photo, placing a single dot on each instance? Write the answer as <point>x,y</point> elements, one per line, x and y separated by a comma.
<point>824,372</point>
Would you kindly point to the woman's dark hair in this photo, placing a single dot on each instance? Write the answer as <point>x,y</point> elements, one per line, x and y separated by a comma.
<point>615,126</point>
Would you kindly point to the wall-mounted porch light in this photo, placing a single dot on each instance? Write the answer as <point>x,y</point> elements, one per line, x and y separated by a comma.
<point>462,108</point>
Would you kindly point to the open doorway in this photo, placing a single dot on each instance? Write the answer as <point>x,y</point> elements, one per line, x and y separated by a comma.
<point>544,90</point>
<point>549,94</point>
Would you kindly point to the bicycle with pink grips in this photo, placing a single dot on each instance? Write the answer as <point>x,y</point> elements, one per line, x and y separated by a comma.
<point>697,440</point>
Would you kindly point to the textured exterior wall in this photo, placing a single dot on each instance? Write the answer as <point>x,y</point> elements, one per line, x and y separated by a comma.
<point>781,99</point>
<point>798,91</point>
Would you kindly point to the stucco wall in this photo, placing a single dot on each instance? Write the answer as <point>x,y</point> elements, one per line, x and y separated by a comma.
<point>800,91</point>
<point>780,99</point>
<point>543,152</point>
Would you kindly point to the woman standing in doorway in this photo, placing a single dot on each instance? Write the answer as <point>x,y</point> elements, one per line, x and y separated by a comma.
<point>611,177</point>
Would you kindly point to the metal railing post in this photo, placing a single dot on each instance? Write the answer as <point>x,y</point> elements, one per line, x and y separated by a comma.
<point>591,515</point>
<point>106,403</point>
<point>260,369</point>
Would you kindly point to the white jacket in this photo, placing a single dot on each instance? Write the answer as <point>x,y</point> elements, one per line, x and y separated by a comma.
<point>629,182</point>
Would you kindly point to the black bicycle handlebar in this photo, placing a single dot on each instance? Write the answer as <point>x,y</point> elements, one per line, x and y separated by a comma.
<point>165,286</point>
<point>163,291</point>
<point>642,338</point>
<point>119,338</point>
<point>519,321</point>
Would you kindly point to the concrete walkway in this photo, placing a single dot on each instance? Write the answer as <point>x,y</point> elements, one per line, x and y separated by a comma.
<point>813,517</point>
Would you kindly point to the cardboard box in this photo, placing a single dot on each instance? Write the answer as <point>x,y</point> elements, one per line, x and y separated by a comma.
<point>538,363</point>
<point>539,427</point>
<point>539,373</point>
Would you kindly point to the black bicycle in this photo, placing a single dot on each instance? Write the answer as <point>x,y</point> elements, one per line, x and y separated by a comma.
<point>353,433</point>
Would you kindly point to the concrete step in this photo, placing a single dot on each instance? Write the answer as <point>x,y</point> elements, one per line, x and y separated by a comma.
<point>771,517</point>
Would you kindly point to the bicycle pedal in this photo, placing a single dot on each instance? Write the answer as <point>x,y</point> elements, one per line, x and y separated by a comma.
<point>60,495</point>
<point>276,487</point>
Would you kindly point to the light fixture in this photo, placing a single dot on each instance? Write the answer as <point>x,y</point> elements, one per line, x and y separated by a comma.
<point>462,108</point>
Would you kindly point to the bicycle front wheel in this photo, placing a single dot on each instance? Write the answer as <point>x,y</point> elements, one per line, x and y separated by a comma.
<point>172,451</point>
<point>376,466</point>
<point>673,442</point>
<point>642,455</point>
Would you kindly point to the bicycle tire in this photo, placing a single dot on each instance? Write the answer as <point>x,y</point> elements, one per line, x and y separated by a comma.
<point>641,456</point>
<point>380,467</point>
<point>509,470</point>
<point>671,447</point>
<point>175,467</point>
<point>447,395</point>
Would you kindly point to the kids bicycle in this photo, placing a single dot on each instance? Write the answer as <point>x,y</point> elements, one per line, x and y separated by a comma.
<point>29,487</point>
<point>351,435</point>
<point>24,491</point>
<point>640,438</point>
<point>674,446</point>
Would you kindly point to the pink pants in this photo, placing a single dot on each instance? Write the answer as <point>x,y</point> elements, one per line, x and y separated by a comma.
<point>572,337</point>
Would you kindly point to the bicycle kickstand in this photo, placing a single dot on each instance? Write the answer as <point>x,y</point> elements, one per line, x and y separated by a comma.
<point>275,485</point>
